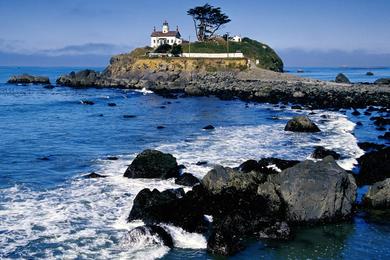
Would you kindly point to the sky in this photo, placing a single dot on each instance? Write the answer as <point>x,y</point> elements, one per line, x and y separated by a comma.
<point>88,32</point>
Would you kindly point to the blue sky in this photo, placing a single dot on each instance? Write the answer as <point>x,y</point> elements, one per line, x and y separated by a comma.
<point>75,28</point>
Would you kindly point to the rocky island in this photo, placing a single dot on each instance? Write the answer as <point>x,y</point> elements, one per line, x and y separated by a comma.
<point>228,78</point>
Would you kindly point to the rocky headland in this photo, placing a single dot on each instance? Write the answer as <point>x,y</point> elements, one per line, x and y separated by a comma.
<point>227,79</point>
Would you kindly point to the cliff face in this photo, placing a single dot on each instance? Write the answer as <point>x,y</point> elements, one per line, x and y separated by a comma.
<point>125,65</point>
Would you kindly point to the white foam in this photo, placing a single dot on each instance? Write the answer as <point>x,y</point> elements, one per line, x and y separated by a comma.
<point>183,239</point>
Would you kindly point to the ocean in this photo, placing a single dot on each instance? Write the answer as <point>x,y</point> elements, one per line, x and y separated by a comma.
<point>49,141</point>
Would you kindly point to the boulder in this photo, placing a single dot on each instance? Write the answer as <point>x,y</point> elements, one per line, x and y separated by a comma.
<point>383,81</point>
<point>187,179</point>
<point>321,152</point>
<point>153,164</point>
<point>316,191</point>
<point>266,165</point>
<point>149,235</point>
<point>378,195</point>
<point>87,102</point>
<point>369,73</point>
<point>28,79</point>
<point>374,167</point>
<point>169,206</point>
<point>341,78</point>
<point>301,124</point>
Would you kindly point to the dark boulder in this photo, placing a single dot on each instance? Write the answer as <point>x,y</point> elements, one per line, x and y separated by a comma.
<point>160,127</point>
<point>94,175</point>
<point>316,191</point>
<point>111,104</point>
<point>149,234</point>
<point>381,121</point>
<point>368,147</point>
<point>266,165</point>
<point>169,206</point>
<point>209,127</point>
<point>341,78</point>
<point>321,152</point>
<point>378,195</point>
<point>112,158</point>
<point>200,163</point>
<point>301,124</point>
<point>153,164</point>
<point>383,81</point>
<point>297,107</point>
<point>87,102</point>
<point>369,73</point>
<point>187,179</point>
<point>28,79</point>
<point>374,167</point>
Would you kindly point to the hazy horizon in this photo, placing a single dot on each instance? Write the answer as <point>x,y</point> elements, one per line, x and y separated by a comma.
<point>86,33</point>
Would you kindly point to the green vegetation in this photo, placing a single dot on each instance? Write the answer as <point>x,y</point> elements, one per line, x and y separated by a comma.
<point>254,50</point>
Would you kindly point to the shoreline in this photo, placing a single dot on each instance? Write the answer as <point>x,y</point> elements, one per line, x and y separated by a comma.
<point>254,85</point>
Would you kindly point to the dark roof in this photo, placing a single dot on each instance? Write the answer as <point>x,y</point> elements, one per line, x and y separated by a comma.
<point>168,34</point>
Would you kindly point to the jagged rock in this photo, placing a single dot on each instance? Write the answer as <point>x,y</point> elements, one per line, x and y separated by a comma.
<point>187,179</point>
<point>28,79</point>
<point>321,152</point>
<point>149,235</point>
<point>278,231</point>
<point>316,191</point>
<point>153,164</point>
<point>341,78</point>
<point>301,124</point>
<point>378,196</point>
<point>374,167</point>
<point>169,206</point>
<point>83,78</point>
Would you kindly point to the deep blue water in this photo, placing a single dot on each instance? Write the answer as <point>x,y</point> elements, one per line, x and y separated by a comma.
<point>354,74</point>
<point>48,140</point>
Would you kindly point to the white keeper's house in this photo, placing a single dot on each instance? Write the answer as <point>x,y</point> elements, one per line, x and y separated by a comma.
<point>165,36</point>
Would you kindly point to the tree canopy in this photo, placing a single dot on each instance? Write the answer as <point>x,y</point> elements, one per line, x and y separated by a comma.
<point>207,20</point>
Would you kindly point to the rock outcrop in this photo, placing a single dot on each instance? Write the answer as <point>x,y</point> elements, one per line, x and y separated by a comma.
<point>383,81</point>
<point>374,167</point>
<point>316,191</point>
<point>28,79</point>
<point>301,124</point>
<point>378,195</point>
<point>153,164</point>
<point>250,200</point>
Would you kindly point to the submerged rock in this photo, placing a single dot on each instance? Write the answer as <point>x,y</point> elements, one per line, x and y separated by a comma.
<point>369,73</point>
<point>316,191</point>
<point>87,102</point>
<point>378,196</point>
<point>209,127</point>
<point>374,167</point>
<point>187,179</point>
<point>149,234</point>
<point>341,78</point>
<point>153,164</point>
<point>301,124</point>
<point>28,79</point>
<point>94,175</point>
<point>321,152</point>
<point>368,147</point>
